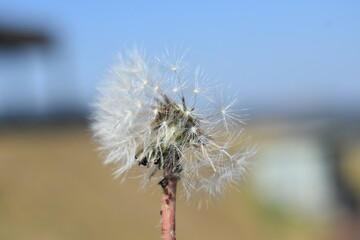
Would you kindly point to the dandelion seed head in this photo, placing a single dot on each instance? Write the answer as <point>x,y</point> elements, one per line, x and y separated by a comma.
<point>159,128</point>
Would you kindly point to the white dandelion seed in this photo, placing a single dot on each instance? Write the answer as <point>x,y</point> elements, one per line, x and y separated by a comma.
<point>149,116</point>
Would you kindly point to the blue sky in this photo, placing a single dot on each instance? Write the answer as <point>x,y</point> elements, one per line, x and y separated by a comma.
<point>278,54</point>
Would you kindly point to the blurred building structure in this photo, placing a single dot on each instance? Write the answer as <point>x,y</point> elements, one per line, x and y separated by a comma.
<point>309,167</point>
<point>34,84</point>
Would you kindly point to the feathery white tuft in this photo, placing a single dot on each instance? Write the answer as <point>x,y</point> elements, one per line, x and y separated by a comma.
<point>156,115</point>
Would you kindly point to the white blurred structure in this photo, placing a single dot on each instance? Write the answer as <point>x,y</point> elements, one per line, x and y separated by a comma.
<point>298,167</point>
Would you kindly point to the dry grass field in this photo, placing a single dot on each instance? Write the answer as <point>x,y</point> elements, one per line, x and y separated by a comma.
<point>53,186</point>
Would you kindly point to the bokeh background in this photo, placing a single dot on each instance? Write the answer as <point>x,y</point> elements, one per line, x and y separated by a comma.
<point>294,64</point>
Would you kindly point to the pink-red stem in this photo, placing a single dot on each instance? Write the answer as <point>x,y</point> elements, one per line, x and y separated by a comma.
<point>168,208</point>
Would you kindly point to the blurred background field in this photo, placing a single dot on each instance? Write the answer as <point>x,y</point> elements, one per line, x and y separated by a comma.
<point>295,65</point>
<point>53,186</point>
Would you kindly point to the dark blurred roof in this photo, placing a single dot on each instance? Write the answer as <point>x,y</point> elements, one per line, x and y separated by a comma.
<point>15,37</point>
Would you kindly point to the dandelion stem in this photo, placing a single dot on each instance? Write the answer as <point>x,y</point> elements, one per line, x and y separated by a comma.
<point>168,208</point>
